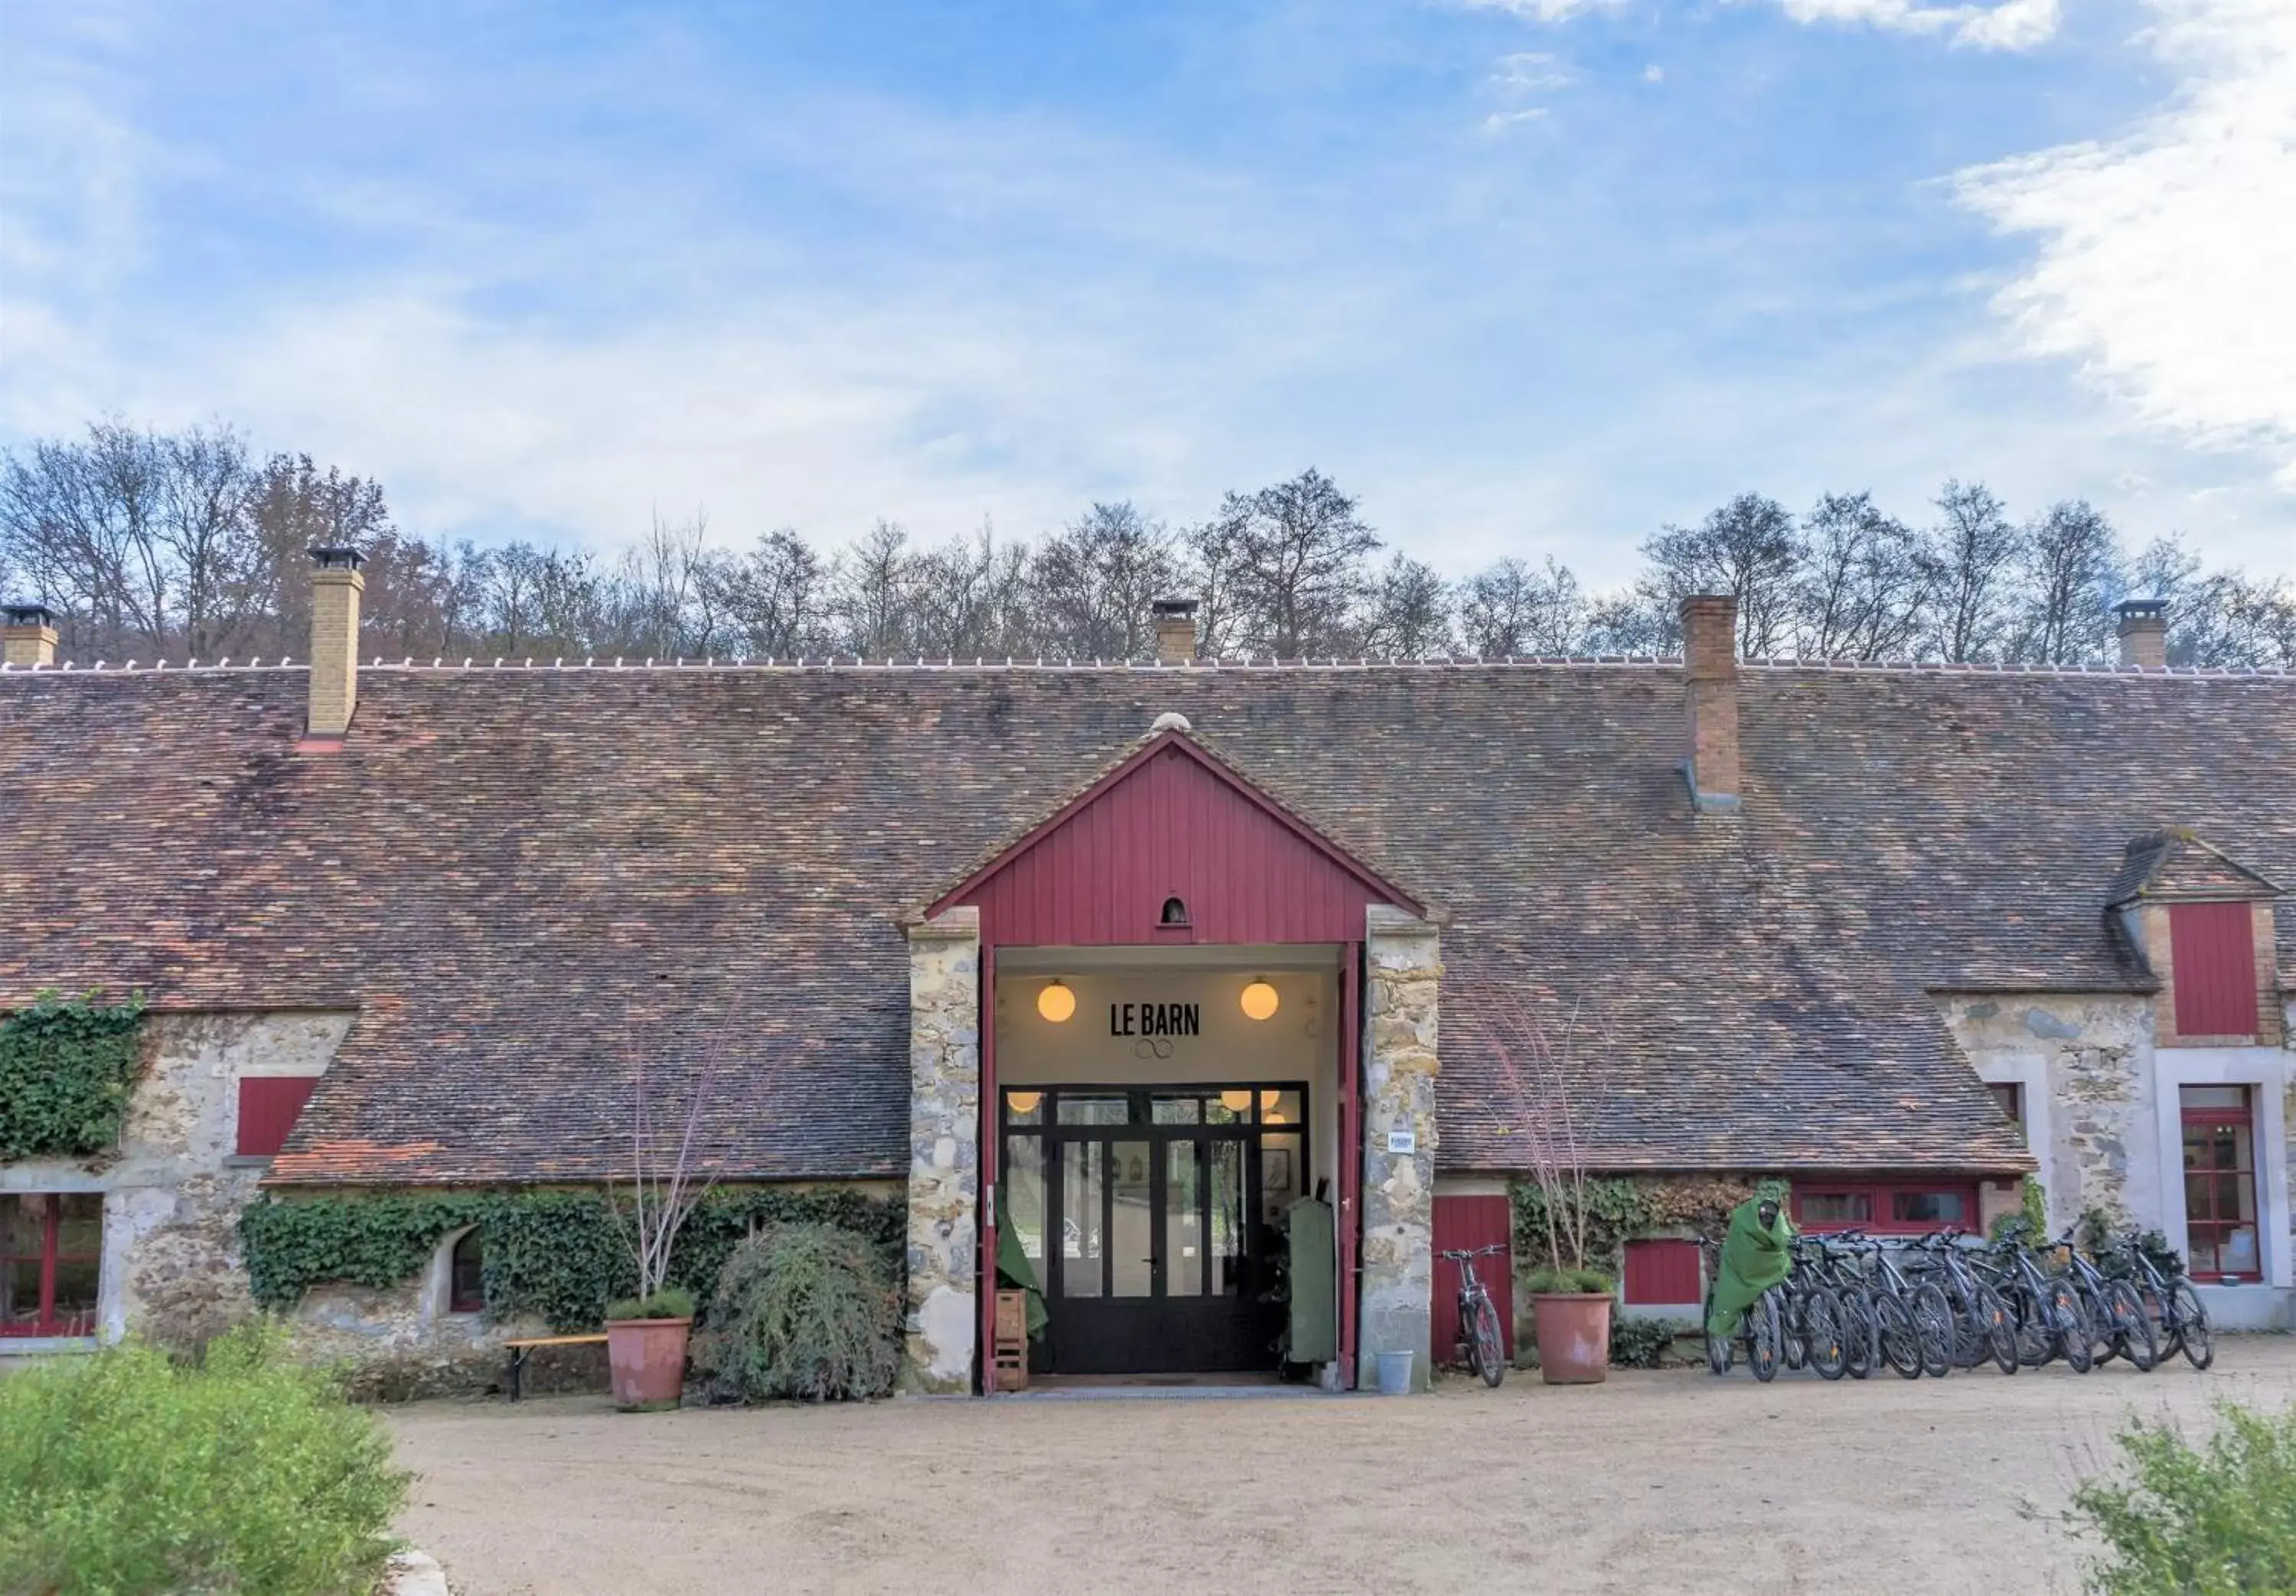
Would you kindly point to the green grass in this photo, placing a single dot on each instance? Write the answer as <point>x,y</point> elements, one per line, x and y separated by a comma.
<point>123,1472</point>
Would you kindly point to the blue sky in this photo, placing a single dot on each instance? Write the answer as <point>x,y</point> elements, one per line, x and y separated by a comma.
<point>1530,276</point>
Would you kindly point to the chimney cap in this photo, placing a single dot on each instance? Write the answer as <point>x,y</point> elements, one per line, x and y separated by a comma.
<point>330,559</point>
<point>28,614</point>
<point>1172,609</point>
<point>2133,609</point>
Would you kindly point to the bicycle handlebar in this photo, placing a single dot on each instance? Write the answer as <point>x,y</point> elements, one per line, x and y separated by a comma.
<point>1476,1252</point>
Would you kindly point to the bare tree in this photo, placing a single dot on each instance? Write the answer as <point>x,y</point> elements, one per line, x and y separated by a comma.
<point>1975,550</point>
<point>2072,559</point>
<point>774,596</point>
<point>1513,609</point>
<point>1095,578</point>
<point>970,600</point>
<point>1866,584</point>
<point>872,593</point>
<point>1410,613</point>
<point>1296,581</point>
<point>1750,549</point>
<point>1537,1065</point>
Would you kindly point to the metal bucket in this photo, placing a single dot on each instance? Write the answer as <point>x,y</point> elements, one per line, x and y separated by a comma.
<point>1394,1373</point>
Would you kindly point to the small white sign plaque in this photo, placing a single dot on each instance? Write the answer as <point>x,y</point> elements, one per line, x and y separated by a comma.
<point>1403,1143</point>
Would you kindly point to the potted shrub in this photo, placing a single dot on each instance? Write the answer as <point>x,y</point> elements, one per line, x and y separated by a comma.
<point>646,1334</point>
<point>1571,1301</point>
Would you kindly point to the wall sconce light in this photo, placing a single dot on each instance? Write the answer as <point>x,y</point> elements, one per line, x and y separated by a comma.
<point>1056,1001</point>
<point>1023,1102</point>
<point>1259,999</point>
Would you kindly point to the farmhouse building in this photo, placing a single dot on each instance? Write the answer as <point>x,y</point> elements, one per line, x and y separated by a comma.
<point>1132,963</point>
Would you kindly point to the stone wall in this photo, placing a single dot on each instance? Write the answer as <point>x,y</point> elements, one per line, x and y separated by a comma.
<point>2085,1065</point>
<point>174,1188</point>
<point>944,1151</point>
<point>1404,957</point>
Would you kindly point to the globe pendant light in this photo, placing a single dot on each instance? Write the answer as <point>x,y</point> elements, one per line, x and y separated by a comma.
<point>1259,999</point>
<point>1056,1001</point>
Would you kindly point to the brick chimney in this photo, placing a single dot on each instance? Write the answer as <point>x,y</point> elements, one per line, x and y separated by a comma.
<point>1176,631</point>
<point>27,634</point>
<point>2144,632</point>
<point>335,588</point>
<point>1710,660</point>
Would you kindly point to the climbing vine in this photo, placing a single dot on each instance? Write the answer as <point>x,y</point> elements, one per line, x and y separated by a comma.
<point>556,1255</point>
<point>66,1066</point>
<point>1621,1208</point>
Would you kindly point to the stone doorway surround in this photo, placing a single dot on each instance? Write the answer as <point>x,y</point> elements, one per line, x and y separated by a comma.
<point>1398,1060</point>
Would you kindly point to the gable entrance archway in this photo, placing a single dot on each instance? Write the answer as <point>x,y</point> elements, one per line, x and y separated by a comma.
<point>1101,961</point>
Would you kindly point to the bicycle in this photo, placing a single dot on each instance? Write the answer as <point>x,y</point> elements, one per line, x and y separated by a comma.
<point>1479,1316</point>
<point>2052,1320</point>
<point>1813,1317</point>
<point>2169,1299</point>
<point>2116,1317</point>
<point>1983,1325</point>
<point>1759,1326</point>
<point>1896,1335</point>
<point>1928,1314</point>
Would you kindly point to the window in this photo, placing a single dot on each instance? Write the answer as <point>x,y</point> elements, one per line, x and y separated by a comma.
<point>2213,960</point>
<point>466,1282</point>
<point>2010,1098</point>
<point>268,1106</point>
<point>2220,1227</point>
<point>51,1259</point>
<point>1885,1206</point>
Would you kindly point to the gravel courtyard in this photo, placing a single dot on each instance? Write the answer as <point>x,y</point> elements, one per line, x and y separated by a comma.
<point>1669,1481</point>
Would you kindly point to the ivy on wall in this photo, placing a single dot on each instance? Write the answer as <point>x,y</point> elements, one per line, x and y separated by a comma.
<point>559,1256</point>
<point>1620,1208</point>
<point>66,1066</point>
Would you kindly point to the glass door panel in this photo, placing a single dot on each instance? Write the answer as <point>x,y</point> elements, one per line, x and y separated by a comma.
<point>1083,1190</point>
<point>1227,1208</point>
<point>1279,1173</point>
<point>1184,1224</point>
<point>1132,1218</point>
<point>1023,1208</point>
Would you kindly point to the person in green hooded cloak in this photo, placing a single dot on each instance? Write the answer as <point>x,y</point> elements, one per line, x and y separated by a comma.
<point>1754,1257</point>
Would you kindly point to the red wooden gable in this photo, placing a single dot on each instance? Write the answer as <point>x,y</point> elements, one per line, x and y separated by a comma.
<point>1172,823</point>
<point>2212,956</point>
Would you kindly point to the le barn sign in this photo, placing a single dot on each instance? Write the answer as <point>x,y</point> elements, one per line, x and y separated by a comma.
<point>1155,1019</point>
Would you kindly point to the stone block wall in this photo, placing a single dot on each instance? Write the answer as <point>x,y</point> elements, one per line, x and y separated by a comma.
<point>944,1151</point>
<point>1403,955</point>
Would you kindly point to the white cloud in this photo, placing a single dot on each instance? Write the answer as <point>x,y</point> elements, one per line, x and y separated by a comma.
<point>1499,122</point>
<point>1530,71</point>
<point>2165,257</point>
<point>2001,25</point>
<point>1543,10</point>
<point>1653,73</point>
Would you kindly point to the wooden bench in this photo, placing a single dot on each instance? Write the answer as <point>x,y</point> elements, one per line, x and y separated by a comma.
<point>519,1349</point>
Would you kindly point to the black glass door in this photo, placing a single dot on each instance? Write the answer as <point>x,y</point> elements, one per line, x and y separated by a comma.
<point>1146,1216</point>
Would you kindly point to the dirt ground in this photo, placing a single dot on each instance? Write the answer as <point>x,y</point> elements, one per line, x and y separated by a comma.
<point>1669,1481</point>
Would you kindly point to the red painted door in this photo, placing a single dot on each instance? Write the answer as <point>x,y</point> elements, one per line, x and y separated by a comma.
<point>1468,1221</point>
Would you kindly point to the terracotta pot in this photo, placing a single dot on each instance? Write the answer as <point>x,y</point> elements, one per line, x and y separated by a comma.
<point>647,1358</point>
<point>1574,1336</point>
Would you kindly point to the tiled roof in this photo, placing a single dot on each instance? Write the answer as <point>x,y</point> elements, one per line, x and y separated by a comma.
<point>524,879</point>
<point>2173,863</point>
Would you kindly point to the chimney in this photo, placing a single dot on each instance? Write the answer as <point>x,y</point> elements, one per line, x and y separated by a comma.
<point>335,588</point>
<point>1176,631</point>
<point>1709,659</point>
<point>27,634</point>
<point>2144,632</point>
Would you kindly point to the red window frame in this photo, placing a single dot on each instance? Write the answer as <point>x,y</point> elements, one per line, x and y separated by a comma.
<point>1882,1201</point>
<point>2212,962</point>
<point>269,1107</point>
<point>466,1281</point>
<point>45,1321</point>
<point>2205,1230</point>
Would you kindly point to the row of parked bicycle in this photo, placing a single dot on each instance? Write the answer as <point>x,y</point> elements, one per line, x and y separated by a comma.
<point>1933,1304</point>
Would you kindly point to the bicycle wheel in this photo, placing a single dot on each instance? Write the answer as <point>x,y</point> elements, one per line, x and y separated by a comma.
<point>2069,1321</point>
<point>2037,1342</point>
<point>1720,1350</point>
<point>1901,1343</point>
<point>1485,1348</point>
<point>2192,1325</point>
<point>2000,1330</point>
<point>1860,1332</point>
<point>1933,1319</point>
<point>1826,1342</point>
<point>1793,1341</point>
<point>1766,1337</point>
<point>2133,1337</point>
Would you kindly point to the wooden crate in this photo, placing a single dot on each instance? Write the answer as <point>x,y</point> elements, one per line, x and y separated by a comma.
<point>1011,1349</point>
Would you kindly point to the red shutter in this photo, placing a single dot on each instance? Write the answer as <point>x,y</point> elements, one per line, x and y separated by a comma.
<point>2213,959</point>
<point>1663,1272</point>
<point>267,1107</point>
<point>1465,1222</point>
